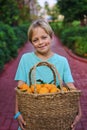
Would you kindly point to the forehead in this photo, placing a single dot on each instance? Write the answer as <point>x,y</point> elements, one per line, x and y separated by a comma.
<point>38,31</point>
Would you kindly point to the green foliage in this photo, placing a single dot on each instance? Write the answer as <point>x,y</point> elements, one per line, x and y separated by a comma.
<point>9,12</point>
<point>80,47</point>
<point>72,32</point>
<point>8,39</point>
<point>8,48</point>
<point>6,51</point>
<point>57,27</point>
<point>75,23</point>
<point>24,14</point>
<point>75,38</point>
<point>21,34</point>
<point>11,38</point>
<point>73,9</point>
<point>2,59</point>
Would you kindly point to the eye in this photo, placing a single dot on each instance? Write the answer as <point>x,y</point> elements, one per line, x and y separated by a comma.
<point>34,40</point>
<point>44,37</point>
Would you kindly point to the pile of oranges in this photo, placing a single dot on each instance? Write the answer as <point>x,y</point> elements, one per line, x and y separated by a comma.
<point>41,88</point>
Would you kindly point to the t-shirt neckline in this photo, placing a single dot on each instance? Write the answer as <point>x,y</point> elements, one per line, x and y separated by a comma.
<point>42,59</point>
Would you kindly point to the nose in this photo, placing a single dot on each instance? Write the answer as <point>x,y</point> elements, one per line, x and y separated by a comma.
<point>40,41</point>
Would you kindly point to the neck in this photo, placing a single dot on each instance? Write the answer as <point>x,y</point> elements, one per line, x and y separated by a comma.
<point>44,56</point>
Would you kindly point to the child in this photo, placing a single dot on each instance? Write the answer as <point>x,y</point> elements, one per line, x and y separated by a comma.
<point>40,35</point>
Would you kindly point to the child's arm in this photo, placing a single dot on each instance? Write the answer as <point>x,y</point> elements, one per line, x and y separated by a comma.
<point>20,118</point>
<point>16,105</point>
<point>71,86</point>
<point>78,117</point>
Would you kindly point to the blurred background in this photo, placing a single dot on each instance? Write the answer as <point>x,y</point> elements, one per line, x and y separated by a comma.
<point>67,18</point>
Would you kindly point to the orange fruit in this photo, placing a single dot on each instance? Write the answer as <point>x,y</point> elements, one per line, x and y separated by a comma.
<point>58,90</point>
<point>64,89</point>
<point>43,90</point>
<point>29,90</point>
<point>54,90</point>
<point>38,87</point>
<point>23,87</point>
<point>49,86</point>
<point>32,88</point>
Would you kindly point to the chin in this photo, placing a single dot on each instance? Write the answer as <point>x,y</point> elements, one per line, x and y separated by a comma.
<point>42,52</point>
<point>45,50</point>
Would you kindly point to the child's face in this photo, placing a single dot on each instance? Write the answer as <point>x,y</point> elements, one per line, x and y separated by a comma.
<point>41,40</point>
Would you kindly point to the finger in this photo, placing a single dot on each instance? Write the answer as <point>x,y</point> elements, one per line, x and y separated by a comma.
<point>21,125</point>
<point>73,126</point>
<point>74,123</point>
<point>22,120</point>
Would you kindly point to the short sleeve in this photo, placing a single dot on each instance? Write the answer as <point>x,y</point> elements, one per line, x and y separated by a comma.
<point>67,73</point>
<point>21,71</point>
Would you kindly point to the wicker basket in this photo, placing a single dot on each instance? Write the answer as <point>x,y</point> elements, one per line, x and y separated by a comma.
<point>52,111</point>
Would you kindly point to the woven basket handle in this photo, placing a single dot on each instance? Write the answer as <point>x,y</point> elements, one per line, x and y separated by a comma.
<point>54,71</point>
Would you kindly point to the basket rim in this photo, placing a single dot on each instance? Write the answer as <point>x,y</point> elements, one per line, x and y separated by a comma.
<point>48,94</point>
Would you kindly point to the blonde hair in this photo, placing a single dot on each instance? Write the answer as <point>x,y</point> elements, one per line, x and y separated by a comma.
<point>40,23</point>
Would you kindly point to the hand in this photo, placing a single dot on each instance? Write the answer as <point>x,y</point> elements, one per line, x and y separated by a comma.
<point>21,122</point>
<point>77,119</point>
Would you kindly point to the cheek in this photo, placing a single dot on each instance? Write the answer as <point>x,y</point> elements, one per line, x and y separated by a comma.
<point>34,45</point>
<point>48,42</point>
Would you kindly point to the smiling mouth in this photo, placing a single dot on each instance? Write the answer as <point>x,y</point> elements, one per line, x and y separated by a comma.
<point>43,46</point>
